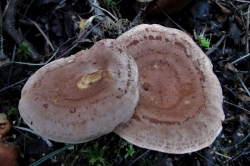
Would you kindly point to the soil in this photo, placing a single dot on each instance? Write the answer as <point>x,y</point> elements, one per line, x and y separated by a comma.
<point>32,31</point>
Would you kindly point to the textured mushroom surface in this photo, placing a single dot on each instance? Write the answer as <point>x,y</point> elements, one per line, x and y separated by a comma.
<point>82,97</point>
<point>180,106</point>
<point>9,154</point>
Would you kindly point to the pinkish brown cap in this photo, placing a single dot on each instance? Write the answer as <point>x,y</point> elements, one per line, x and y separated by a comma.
<point>180,106</point>
<point>82,97</point>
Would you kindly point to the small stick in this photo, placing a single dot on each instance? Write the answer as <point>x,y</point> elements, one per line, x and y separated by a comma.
<point>144,5</point>
<point>242,83</point>
<point>1,21</point>
<point>2,55</point>
<point>96,10</point>
<point>11,66</point>
<point>222,155</point>
<point>130,164</point>
<point>10,24</point>
<point>247,30</point>
<point>41,31</point>
<point>236,106</point>
<point>33,132</point>
<point>5,88</point>
<point>81,38</point>
<point>98,6</point>
<point>5,9</point>
<point>240,59</point>
<point>242,1</point>
<point>27,8</point>
<point>216,45</point>
<point>37,64</point>
<point>176,24</point>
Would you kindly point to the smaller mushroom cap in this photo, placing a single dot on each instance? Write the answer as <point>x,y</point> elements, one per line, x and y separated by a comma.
<point>82,97</point>
<point>180,106</point>
<point>9,154</point>
<point>5,125</point>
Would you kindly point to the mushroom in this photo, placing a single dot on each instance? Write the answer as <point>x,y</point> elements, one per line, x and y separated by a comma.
<point>82,97</point>
<point>5,125</point>
<point>168,6</point>
<point>180,106</point>
<point>8,152</point>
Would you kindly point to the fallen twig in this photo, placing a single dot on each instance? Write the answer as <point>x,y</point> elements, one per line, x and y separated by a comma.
<point>176,24</point>
<point>247,30</point>
<point>5,9</point>
<point>131,163</point>
<point>240,59</point>
<point>80,38</point>
<point>94,4</point>
<point>41,160</point>
<point>27,8</point>
<point>242,1</point>
<point>11,66</point>
<point>222,155</point>
<point>245,151</point>
<point>98,6</point>
<point>9,25</point>
<point>144,6</point>
<point>7,87</point>
<point>37,64</point>
<point>2,55</point>
<point>242,83</point>
<point>236,106</point>
<point>1,21</point>
<point>33,132</point>
<point>215,46</point>
<point>41,31</point>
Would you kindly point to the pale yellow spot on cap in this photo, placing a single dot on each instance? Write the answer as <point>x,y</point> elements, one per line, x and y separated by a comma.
<point>156,66</point>
<point>55,100</point>
<point>109,76</point>
<point>153,99</point>
<point>87,80</point>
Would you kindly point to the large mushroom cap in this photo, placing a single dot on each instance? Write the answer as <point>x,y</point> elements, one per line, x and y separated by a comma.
<point>82,97</point>
<point>180,106</point>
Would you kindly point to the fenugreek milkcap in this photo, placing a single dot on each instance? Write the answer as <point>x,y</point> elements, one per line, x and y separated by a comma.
<point>82,97</point>
<point>180,106</point>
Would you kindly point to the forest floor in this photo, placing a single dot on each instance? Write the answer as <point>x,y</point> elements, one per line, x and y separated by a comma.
<point>32,31</point>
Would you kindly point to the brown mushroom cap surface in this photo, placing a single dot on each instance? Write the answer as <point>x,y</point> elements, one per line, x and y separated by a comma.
<point>180,106</point>
<point>9,154</point>
<point>84,96</point>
